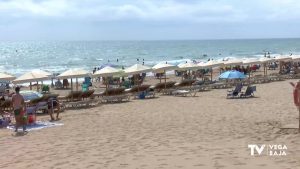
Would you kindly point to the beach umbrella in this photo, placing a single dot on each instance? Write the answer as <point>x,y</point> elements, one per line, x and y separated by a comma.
<point>251,61</point>
<point>33,76</point>
<point>7,77</point>
<point>162,68</point>
<point>188,66</point>
<point>232,74</point>
<point>265,61</point>
<point>107,71</point>
<point>283,58</point>
<point>211,64</point>
<point>137,69</point>
<point>74,73</point>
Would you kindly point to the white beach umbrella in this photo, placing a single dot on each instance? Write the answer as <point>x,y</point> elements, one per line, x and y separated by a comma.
<point>283,58</point>
<point>137,69</point>
<point>211,64</point>
<point>233,62</point>
<point>162,68</point>
<point>107,71</point>
<point>8,77</point>
<point>265,61</point>
<point>188,66</point>
<point>33,76</point>
<point>74,73</point>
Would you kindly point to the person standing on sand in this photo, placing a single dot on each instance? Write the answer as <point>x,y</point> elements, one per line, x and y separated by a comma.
<point>296,93</point>
<point>19,106</point>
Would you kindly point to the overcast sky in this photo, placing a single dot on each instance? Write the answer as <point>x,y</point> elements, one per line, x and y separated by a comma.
<point>148,19</point>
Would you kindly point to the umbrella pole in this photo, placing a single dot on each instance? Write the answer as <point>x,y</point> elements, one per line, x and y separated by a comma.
<point>30,86</point>
<point>165,79</point>
<point>160,78</point>
<point>37,86</point>
<point>76,84</point>
<point>211,74</point>
<point>72,88</point>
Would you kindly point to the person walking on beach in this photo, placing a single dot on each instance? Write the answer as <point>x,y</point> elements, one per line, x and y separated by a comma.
<point>296,93</point>
<point>19,106</point>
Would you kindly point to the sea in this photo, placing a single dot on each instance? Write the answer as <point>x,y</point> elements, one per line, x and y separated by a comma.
<point>57,56</point>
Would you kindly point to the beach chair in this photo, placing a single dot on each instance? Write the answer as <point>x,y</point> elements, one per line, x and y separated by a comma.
<point>235,92</point>
<point>167,88</point>
<point>141,91</point>
<point>87,94</point>
<point>185,88</point>
<point>249,92</point>
<point>114,95</point>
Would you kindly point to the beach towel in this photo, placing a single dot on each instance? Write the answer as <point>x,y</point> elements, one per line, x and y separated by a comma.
<point>38,125</point>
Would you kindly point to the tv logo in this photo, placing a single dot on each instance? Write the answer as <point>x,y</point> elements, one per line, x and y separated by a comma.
<point>258,149</point>
<point>270,150</point>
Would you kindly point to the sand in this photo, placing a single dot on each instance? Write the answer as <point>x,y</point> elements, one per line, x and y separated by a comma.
<point>207,131</point>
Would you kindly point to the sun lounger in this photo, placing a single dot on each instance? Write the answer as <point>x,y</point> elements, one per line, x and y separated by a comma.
<point>140,91</point>
<point>249,92</point>
<point>182,92</point>
<point>87,94</point>
<point>114,95</point>
<point>235,92</point>
<point>72,96</point>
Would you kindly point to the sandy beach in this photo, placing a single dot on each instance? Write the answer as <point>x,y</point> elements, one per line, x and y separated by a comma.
<point>206,131</point>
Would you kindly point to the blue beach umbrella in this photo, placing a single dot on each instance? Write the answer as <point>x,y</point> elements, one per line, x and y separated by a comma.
<point>232,75</point>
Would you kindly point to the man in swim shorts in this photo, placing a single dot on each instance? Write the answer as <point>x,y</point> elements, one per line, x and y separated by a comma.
<point>19,107</point>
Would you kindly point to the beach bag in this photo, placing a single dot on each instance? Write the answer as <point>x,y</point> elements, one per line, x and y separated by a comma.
<point>142,95</point>
<point>4,121</point>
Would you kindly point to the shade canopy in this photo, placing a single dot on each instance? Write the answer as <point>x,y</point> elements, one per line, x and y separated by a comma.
<point>8,77</point>
<point>137,69</point>
<point>107,71</point>
<point>233,74</point>
<point>188,66</point>
<point>233,62</point>
<point>266,60</point>
<point>32,76</point>
<point>283,58</point>
<point>211,63</point>
<point>250,61</point>
<point>161,67</point>
<point>74,73</point>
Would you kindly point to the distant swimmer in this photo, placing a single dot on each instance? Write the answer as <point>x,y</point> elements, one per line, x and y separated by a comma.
<point>117,60</point>
<point>16,50</point>
<point>143,63</point>
<point>108,60</point>
<point>137,59</point>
